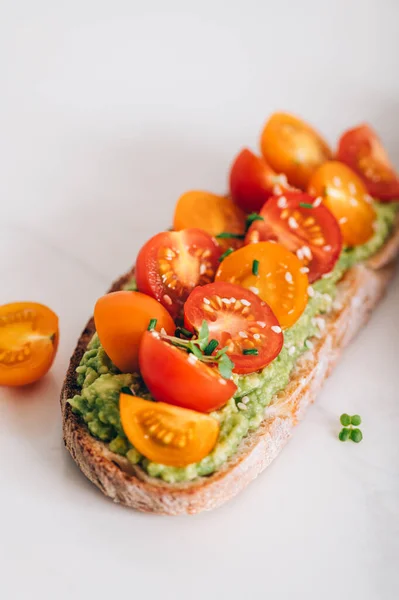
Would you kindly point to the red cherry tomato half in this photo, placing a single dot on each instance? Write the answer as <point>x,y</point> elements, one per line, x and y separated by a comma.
<point>238,319</point>
<point>173,263</point>
<point>361,149</point>
<point>304,226</point>
<point>253,181</point>
<point>176,377</point>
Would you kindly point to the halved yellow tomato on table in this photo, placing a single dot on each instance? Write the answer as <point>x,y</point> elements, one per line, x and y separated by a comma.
<point>28,342</point>
<point>293,147</point>
<point>167,434</point>
<point>274,273</point>
<point>345,194</point>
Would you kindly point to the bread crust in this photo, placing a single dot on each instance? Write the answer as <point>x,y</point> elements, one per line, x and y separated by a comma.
<point>358,293</point>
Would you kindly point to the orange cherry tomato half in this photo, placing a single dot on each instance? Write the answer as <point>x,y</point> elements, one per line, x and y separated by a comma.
<point>214,214</point>
<point>304,226</point>
<point>172,263</point>
<point>253,181</point>
<point>121,319</point>
<point>167,434</point>
<point>28,342</point>
<point>345,194</point>
<point>176,377</point>
<point>293,147</point>
<point>361,149</point>
<point>279,281</point>
<point>238,319</point>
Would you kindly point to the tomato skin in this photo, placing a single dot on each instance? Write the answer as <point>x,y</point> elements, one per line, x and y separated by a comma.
<point>293,147</point>
<point>280,281</point>
<point>345,195</point>
<point>361,149</point>
<point>175,377</point>
<point>275,226</point>
<point>172,263</point>
<point>233,312</point>
<point>121,318</point>
<point>29,338</point>
<point>252,181</point>
<point>166,434</point>
<point>214,214</point>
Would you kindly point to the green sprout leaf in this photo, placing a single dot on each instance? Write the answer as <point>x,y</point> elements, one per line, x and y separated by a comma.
<point>203,335</point>
<point>192,346</point>
<point>356,420</point>
<point>356,436</point>
<point>344,434</point>
<point>345,420</point>
<point>226,366</point>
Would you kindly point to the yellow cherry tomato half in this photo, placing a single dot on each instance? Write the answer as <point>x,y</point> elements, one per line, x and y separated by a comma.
<point>167,434</point>
<point>121,318</point>
<point>279,279</point>
<point>293,147</point>
<point>345,194</point>
<point>28,342</point>
<point>214,214</point>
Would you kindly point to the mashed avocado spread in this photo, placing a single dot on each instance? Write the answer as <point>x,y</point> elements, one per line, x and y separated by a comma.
<point>101,382</point>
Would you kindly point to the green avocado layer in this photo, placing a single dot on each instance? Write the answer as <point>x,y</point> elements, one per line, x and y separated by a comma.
<point>101,382</point>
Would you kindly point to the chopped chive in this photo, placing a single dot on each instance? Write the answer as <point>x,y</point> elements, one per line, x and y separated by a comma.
<point>255,267</point>
<point>253,351</point>
<point>227,234</point>
<point>183,331</point>
<point>226,254</point>
<point>151,324</point>
<point>210,347</point>
<point>127,390</point>
<point>305,205</point>
<point>251,219</point>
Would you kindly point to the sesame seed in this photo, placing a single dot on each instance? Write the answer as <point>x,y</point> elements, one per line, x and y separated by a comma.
<point>245,400</point>
<point>242,334</point>
<point>353,202</point>
<point>318,201</point>
<point>282,202</point>
<point>292,223</point>
<point>337,181</point>
<point>309,344</point>
<point>280,179</point>
<point>307,252</point>
<point>163,331</point>
<point>261,323</point>
<point>276,329</point>
<point>327,247</point>
<point>300,254</point>
<point>343,220</point>
<point>304,270</point>
<point>167,299</point>
<point>242,406</point>
<point>352,188</point>
<point>223,381</point>
<point>202,268</point>
<point>226,300</point>
<point>192,359</point>
<point>154,333</point>
<point>245,302</point>
<point>254,290</point>
<point>288,277</point>
<point>291,351</point>
<point>256,336</point>
<point>310,291</point>
<point>277,190</point>
<point>233,300</point>
<point>368,198</point>
<point>207,301</point>
<point>321,324</point>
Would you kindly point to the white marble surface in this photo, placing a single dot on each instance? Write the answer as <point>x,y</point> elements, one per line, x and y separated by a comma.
<point>108,111</point>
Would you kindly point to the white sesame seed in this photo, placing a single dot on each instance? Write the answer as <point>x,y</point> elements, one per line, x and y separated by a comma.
<point>207,301</point>
<point>282,202</point>
<point>261,323</point>
<point>233,300</point>
<point>155,333</point>
<point>304,270</point>
<point>163,331</point>
<point>309,344</point>
<point>223,381</point>
<point>254,290</point>
<point>243,334</point>
<point>291,351</point>
<point>368,198</point>
<point>242,406</point>
<point>352,188</point>
<point>192,359</point>
<point>275,328</point>
<point>343,220</point>
<point>334,193</point>
<point>167,299</point>
<point>292,223</point>
<point>245,400</point>
<point>288,277</point>
<point>226,300</point>
<point>300,254</point>
<point>337,181</point>
<point>310,291</point>
<point>321,324</point>
<point>318,201</point>
<point>256,336</point>
<point>245,302</point>
<point>277,190</point>
<point>353,202</point>
<point>327,247</point>
<point>202,268</point>
<point>280,179</point>
<point>307,252</point>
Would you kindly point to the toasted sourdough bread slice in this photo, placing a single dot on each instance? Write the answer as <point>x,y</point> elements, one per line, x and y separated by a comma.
<point>358,292</point>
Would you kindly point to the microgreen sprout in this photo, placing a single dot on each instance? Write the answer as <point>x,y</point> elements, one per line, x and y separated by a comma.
<point>348,431</point>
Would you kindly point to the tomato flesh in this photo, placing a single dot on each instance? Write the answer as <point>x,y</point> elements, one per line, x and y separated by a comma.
<point>172,263</point>
<point>176,377</point>
<point>238,320</point>
<point>121,319</point>
<point>293,147</point>
<point>253,181</point>
<point>28,342</point>
<point>280,280</point>
<point>167,434</point>
<point>345,194</point>
<point>304,226</point>
<point>362,150</point>
<point>211,213</point>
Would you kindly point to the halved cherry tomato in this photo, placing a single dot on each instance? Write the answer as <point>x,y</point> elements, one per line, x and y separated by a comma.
<point>293,147</point>
<point>172,263</point>
<point>345,194</point>
<point>121,319</point>
<point>166,434</point>
<point>361,149</point>
<point>279,281</point>
<point>176,377</point>
<point>253,181</point>
<point>310,230</point>
<point>214,214</point>
<point>238,319</point>
<point>28,342</point>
